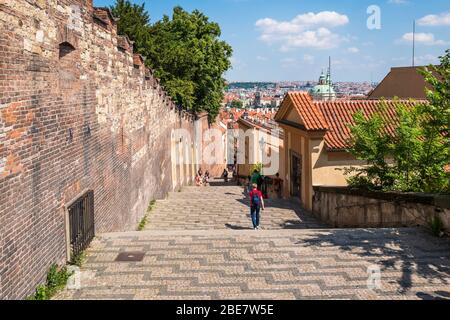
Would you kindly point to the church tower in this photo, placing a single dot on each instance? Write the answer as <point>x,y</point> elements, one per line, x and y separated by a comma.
<point>324,90</point>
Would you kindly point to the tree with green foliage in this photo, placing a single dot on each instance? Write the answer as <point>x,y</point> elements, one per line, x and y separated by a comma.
<point>435,127</point>
<point>370,142</point>
<point>185,52</point>
<point>134,21</point>
<point>406,148</point>
<point>415,155</point>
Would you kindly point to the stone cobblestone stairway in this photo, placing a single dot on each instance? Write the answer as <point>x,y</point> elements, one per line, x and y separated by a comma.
<point>198,245</point>
<point>223,207</point>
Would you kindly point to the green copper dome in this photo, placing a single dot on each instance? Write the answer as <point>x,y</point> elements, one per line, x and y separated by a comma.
<point>324,90</point>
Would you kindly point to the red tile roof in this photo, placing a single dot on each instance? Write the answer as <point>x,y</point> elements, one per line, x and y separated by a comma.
<point>311,116</point>
<point>335,116</point>
<point>339,114</point>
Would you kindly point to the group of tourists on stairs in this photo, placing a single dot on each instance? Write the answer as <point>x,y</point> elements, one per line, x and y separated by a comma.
<point>253,190</point>
<point>202,179</point>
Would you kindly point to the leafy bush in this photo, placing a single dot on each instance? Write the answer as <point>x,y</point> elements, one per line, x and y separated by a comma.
<point>78,260</point>
<point>369,142</point>
<point>56,280</point>
<point>40,294</point>
<point>415,155</point>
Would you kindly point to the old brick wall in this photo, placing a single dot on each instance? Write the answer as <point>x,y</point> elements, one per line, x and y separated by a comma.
<point>78,111</point>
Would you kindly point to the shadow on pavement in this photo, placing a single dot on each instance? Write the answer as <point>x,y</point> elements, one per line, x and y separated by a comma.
<point>438,295</point>
<point>235,227</point>
<point>221,183</point>
<point>412,251</point>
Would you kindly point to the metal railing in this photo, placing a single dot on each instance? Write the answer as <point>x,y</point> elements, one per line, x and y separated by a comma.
<point>81,222</point>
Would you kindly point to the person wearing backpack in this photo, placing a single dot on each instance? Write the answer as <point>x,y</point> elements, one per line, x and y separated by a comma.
<point>256,203</point>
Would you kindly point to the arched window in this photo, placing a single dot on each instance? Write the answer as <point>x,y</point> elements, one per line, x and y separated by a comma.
<point>68,67</point>
<point>65,48</point>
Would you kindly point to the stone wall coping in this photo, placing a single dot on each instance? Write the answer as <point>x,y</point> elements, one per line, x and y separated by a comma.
<point>439,200</point>
<point>125,43</point>
<point>111,17</point>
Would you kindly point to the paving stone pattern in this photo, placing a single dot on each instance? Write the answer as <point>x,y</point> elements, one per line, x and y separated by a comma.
<point>197,247</point>
<point>223,206</point>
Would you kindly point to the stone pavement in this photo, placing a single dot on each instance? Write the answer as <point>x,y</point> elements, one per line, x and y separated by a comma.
<point>197,247</point>
<point>222,206</point>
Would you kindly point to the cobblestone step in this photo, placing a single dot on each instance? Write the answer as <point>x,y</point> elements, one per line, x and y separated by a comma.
<point>199,244</point>
<point>268,264</point>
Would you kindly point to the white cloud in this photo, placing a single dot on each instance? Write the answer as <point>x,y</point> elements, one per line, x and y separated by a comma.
<point>261,58</point>
<point>324,18</point>
<point>309,30</point>
<point>423,38</point>
<point>434,20</point>
<point>353,50</point>
<point>318,39</point>
<point>398,1</point>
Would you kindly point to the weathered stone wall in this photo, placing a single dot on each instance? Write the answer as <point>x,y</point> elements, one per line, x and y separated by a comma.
<point>78,111</point>
<point>344,207</point>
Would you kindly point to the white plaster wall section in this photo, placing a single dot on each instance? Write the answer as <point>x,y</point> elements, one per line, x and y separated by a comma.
<point>74,20</point>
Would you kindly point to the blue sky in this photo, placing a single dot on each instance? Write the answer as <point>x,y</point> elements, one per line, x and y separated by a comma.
<point>292,39</point>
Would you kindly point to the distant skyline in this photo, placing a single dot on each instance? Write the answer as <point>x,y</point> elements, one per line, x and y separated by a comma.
<point>288,40</point>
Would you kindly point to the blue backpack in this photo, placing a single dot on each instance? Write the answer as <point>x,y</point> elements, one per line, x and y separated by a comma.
<point>255,200</point>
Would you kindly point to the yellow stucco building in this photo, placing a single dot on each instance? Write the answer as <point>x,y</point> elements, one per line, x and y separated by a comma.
<point>315,140</point>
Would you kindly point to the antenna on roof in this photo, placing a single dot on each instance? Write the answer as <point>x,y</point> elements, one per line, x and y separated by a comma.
<point>329,78</point>
<point>414,43</point>
<point>329,66</point>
